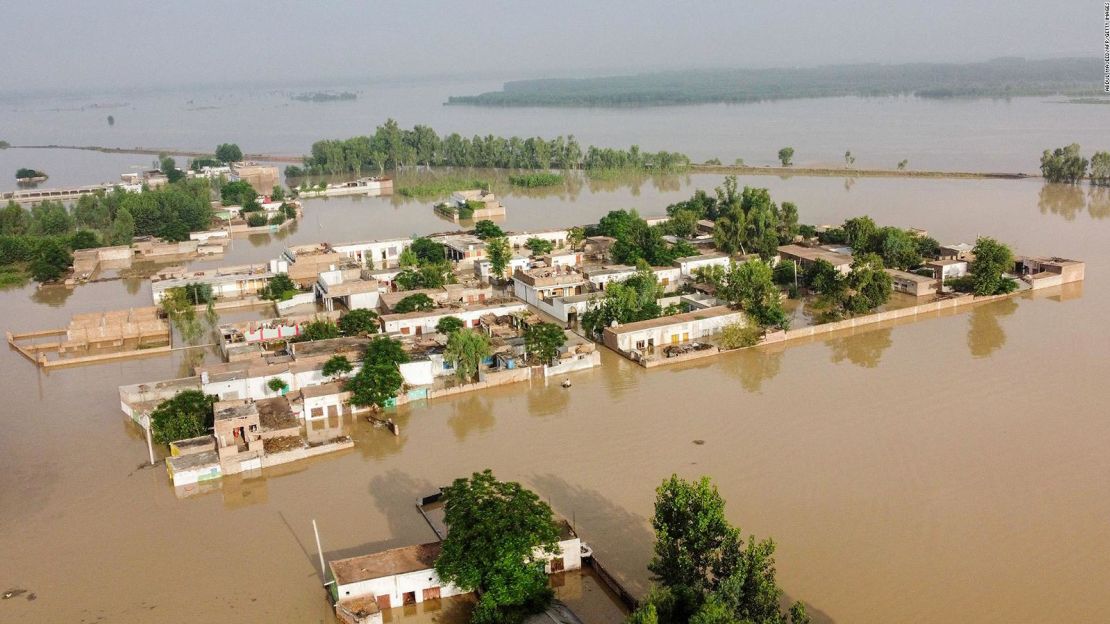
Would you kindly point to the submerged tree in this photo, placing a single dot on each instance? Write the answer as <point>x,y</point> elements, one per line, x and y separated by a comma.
<point>543,340</point>
<point>706,572</point>
<point>499,535</point>
<point>786,156</point>
<point>1063,164</point>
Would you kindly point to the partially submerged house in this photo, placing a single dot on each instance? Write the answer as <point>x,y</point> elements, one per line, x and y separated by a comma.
<point>805,257</point>
<point>1042,272</point>
<point>369,584</point>
<point>646,340</point>
<point>912,284</point>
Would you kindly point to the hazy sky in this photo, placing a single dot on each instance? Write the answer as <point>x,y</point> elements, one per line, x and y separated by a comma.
<point>53,43</point>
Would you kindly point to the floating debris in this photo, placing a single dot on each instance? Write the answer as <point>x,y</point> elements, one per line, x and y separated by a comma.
<point>699,442</point>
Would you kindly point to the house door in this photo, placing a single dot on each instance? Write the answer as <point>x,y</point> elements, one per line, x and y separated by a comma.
<point>383,602</point>
<point>408,598</point>
<point>431,593</point>
<point>674,338</point>
<point>556,565</point>
<point>685,336</point>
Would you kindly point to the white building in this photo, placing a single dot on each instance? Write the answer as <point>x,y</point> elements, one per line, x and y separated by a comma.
<point>406,576</point>
<point>348,287</point>
<point>424,322</point>
<point>689,264</point>
<point>558,238</point>
<point>670,330</point>
<point>385,253</point>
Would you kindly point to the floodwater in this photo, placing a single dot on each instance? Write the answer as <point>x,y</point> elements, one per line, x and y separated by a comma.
<point>957,134</point>
<point>951,469</point>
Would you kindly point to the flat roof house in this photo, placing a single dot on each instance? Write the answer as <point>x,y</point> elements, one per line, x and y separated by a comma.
<point>406,575</point>
<point>643,336</point>
<point>689,264</point>
<point>806,256</point>
<point>1042,272</point>
<point>912,283</point>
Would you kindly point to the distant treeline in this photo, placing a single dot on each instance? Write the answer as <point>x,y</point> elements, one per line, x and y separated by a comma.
<point>391,147</point>
<point>1006,77</point>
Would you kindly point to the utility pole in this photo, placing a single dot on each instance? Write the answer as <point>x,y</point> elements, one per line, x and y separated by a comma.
<point>320,551</point>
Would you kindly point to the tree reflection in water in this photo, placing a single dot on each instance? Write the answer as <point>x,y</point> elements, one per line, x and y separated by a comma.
<point>984,333</point>
<point>470,413</point>
<point>1098,202</point>
<point>53,296</point>
<point>863,349</point>
<point>548,399</point>
<point>1065,200</point>
<point>754,366</point>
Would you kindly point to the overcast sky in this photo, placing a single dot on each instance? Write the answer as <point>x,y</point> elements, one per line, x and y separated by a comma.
<point>125,43</point>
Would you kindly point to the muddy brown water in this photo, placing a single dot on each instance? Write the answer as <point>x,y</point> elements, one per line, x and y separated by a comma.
<point>952,469</point>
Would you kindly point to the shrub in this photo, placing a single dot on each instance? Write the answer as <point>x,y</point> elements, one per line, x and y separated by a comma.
<point>256,220</point>
<point>739,335</point>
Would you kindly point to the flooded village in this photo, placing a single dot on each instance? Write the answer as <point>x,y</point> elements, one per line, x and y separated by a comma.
<point>759,314</point>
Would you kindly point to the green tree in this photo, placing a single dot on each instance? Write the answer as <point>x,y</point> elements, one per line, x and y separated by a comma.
<point>197,293</point>
<point>751,286</point>
<point>358,322</point>
<point>277,194</point>
<point>187,415</point>
<point>239,193</point>
<point>50,260</point>
<point>707,572</point>
<point>428,251</point>
<point>1063,164</point>
<point>277,384</point>
<point>539,246</point>
<point>465,350</point>
<point>690,532</point>
<point>279,288</point>
<point>337,366</point>
<point>374,385</point>
<point>786,156</point>
<point>898,248</point>
<point>543,340</point>
<point>413,303</point>
<point>486,229</point>
<point>385,350</point>
<point>169,168</point>
<point>84,239</point>
<point>497,249</point>
<point>1100,169</point>
<point>498,536</point>
<point>992,260</point>
<point>317,329</point>
<point>449,325</point>
<point>861,233</point>
<point>14,220</point>
<point>408,258</point>
<point>229,153</point>
<point>123,227</point>
<point>575,236</point>
<point>256,220</point>
<point>868,283</point>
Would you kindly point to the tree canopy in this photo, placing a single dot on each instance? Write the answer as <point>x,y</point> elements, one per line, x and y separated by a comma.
<point>499,254</point>
<point>317,329</point>
<point>465,351</point>
<point>751,286</point>
<point>542,341</point>
<point>992,259</point>
<point>358,322</point>
<point>374,385</point>
<point>1063,164</point>
<point>449,325</point>
<point>486,229</point>
<point>497,535</point>
<point>705,571</point>
<point>337,366</point>
<point>187,414</point>
<point>280,287</point>
<point>414,302</point>
<point>229,153</point>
